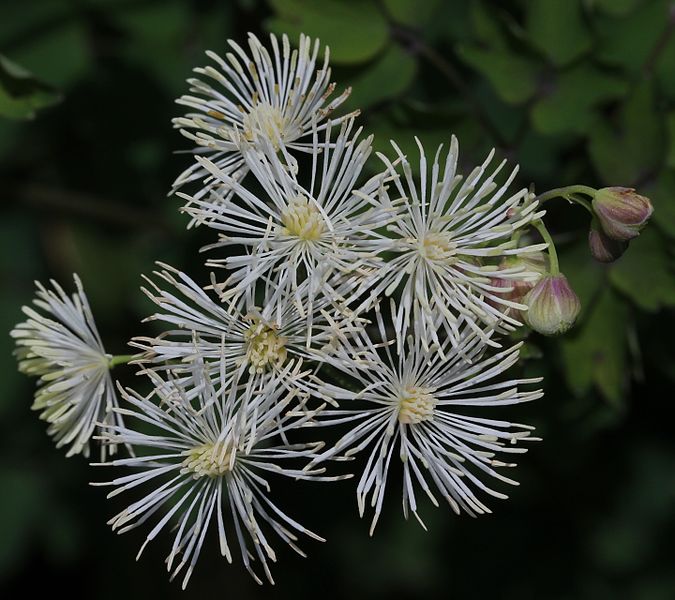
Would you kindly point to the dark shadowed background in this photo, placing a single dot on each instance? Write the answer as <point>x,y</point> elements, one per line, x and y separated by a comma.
<point>574,91</point>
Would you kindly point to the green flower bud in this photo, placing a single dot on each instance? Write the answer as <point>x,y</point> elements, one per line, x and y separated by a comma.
<point>604,249</point>
<point>622,212</point>
<point>552,305</point>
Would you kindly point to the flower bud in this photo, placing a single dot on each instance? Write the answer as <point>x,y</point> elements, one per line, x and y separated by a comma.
<point>552,305</point>
<point>536,263</point>
<point>603,248</point>
<point>516,286</point>
<point>621,211</point>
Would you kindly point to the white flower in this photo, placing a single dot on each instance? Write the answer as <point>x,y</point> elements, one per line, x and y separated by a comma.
<point>278,96</point>
<point>449,241</point>
<point>246,342</point>
<point>200,471</point>
<point>65,351</point>
<point>424,409</point>
<point>294,231</point>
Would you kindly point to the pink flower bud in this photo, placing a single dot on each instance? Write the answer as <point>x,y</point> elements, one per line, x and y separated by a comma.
<point>622,212</point>
<point>603,248</point>
<point>552,305</point>
<point>516,286</point>
<point>511,290</point>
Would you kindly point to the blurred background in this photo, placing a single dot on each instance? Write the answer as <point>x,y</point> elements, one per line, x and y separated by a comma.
<point>580,91</point>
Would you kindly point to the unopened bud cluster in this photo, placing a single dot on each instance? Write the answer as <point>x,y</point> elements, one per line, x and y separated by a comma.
<point>620,215</point>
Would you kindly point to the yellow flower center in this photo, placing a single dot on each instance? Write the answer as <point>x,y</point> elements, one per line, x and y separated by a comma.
<point>437,246</point>
<point>209,460</point>
<point>416,405</point>
<point>266,120</point>
<point>302,219</point>
<point>264,346</point>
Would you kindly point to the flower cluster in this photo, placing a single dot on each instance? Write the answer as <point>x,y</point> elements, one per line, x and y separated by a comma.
<point>369,299</point>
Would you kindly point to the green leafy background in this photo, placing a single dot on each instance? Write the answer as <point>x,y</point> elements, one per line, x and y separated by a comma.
<point>574,91</point>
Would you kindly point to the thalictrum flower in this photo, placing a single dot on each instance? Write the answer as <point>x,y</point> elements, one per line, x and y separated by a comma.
<point>194,469</point>
<point>295,230</point>
<point>426,408</point>
<point>279,96</point>
<point>59,343</point>
<point>448,242</point>
<point>245,341</point>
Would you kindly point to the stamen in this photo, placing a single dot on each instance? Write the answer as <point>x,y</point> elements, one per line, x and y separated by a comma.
<point>264,346</point>
<point>437,246</point>
<point>416,405</point>
<point>302,219</point>
<point>209,460</point>
<point>266,120</point>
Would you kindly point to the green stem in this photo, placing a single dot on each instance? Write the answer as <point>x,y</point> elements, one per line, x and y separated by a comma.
<point>566,192</point>
<point>121,359</point>
<point>552,253</point>
<point>582,202</point>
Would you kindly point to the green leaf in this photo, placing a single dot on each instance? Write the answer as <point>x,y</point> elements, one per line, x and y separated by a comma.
<point>557,29</point>
<point>645,272</point>
<point>595,352</point>
<point>513,77</point>
<point>664,67</point>
<point>411,12</point>
<point>635,146</point>
<point>354,31</point>
<point>616,8</point>
<point>63,54</point>
<point>21,94</point>
<point>628,42</point>
<point>570,106</point>
<point>386,77</point>
<point>486,26</point>
<point>385,131</point>
<point>662,195</point>
<point>670,124</point>
<point>160,29</point>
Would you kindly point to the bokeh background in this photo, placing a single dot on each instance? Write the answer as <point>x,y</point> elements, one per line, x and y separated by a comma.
<point>574,91</point>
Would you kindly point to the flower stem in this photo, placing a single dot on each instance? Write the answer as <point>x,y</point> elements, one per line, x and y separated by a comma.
<point>568,193</point>
<point>582,202</point>
<point>121,359</point>
<point>552,253</point>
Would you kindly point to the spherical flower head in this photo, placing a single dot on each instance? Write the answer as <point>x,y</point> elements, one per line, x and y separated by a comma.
<point>196,469</point>
<point>291,232</point>
<point>270,92</point>
<point>258,340</point>
<point>75,390</point>
<point>552,305</point>
<point>622,212</point>
<point>447,242</point>
<point>427,413</point>
<point>603,248</point>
